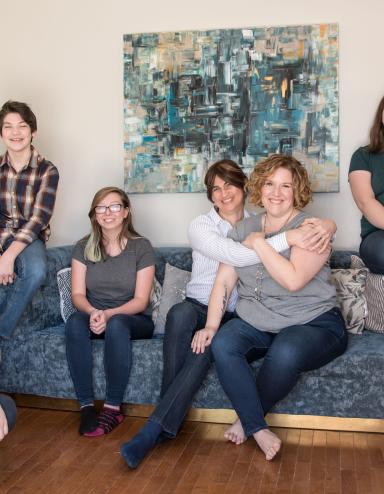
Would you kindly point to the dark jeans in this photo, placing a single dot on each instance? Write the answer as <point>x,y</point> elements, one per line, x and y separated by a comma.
<point>372,251</point>
<point>287,354</point>
<point>184,371</point>
<point>121,329</point>
<point>31,270</point>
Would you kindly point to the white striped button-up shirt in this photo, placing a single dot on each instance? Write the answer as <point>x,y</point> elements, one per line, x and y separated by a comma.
<point>208,238</point>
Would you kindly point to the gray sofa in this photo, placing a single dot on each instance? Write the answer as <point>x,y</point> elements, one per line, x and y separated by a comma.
<point>34,361</point>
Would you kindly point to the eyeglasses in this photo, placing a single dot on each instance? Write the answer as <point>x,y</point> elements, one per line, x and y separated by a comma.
<point>113,208</point>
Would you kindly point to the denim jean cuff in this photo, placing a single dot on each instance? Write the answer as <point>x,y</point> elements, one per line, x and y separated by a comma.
<point>167,430</point>
<point>249,431</point>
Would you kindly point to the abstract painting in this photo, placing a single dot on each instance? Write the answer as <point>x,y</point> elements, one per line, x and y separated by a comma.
<point>194,97</point>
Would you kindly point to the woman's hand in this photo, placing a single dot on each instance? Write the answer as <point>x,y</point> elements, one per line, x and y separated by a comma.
<point>3,424</point>
<point>251,238</point>
<point>7,269</point>
<point>202,339</point>
<point>98,321</point>
<point>314,235</point>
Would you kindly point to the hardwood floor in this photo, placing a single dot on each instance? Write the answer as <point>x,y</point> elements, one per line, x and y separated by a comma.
<point>45,454</point>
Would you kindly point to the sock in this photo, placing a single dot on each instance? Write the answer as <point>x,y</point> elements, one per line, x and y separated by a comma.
<point>108,419</point>
<point>88,419</point>
<point>134,450</point>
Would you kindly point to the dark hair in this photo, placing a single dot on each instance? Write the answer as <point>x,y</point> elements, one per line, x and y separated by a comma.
<point>376,135</point>
<point>301,186</point>
<point>227,170</point>
<point>94,249</point>
<point>22,109</point>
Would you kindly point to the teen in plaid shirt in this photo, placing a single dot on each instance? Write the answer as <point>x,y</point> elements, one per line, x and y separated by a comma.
<point>28,186</point>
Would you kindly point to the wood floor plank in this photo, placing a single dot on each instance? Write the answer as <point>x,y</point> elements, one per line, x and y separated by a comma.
<point>45,454</point>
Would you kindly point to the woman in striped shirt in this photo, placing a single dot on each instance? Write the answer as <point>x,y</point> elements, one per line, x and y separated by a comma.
<point>184,371</point>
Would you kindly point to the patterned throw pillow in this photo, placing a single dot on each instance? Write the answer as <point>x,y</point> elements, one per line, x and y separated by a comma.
<point>374,291</point>
<point>350,285</point>
<point>175,281</point>
<point>155,299</point>
<point>64,283</point>
<point>67,308</point>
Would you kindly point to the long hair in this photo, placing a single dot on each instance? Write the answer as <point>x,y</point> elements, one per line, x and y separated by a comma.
<point>301,186</point>
<point>376,135</point>
<point>94,250</point>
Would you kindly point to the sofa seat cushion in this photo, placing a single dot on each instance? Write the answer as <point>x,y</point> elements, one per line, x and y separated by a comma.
<point>349,386</point>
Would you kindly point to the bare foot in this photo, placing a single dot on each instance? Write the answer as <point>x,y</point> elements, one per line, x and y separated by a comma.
<point>235,433</point>
<point>268,442</point>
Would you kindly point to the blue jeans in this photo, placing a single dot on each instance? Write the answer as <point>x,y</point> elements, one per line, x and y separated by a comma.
<point>372,251</point>
<point>31,271</point>
<point>121,329</point>
<point>184,371</point>
<point>287,354</point>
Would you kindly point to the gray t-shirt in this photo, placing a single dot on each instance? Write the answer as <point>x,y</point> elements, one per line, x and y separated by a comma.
<point>279,308</point>
<point>112,282</point>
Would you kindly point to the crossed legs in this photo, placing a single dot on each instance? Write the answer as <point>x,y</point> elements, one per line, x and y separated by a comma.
<point>293,350</point>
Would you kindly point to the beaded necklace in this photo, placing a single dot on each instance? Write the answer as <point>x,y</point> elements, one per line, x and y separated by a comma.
<point>259,274</point>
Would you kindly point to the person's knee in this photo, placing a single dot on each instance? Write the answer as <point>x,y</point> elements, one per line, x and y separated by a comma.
<point>372,252</point>
<point>36,271</point>
<point>39,274</point>
<point>285,357</point>
<point>179,319</point>
<point>119,326</point>
<point>221,346</point>
<point>76,326</point>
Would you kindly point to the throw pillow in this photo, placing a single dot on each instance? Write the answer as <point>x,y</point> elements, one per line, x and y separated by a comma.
<point>374,291</point>
<point>155,299</point>
<point>350,285</point>
<point>64,284</point>
<point>175,281</point>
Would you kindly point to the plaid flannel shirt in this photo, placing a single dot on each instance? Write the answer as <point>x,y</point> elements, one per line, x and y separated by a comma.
<point>27,199</point>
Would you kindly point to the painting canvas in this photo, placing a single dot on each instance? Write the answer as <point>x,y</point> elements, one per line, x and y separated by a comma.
<point>194,97</point>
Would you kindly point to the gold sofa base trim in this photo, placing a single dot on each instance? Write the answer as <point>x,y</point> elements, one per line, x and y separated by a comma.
<point>221,416</point>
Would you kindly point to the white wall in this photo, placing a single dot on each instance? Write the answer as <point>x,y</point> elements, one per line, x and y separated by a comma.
<point>65,59</point>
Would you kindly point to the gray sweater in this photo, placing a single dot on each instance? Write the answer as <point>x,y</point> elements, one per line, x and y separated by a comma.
<point>277,307</point>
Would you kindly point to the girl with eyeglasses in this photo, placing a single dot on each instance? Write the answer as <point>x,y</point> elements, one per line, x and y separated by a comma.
<point>112,274</point>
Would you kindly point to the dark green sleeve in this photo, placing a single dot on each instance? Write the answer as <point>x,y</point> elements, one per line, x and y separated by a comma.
<point>360,161</point>
<point>145,255</point>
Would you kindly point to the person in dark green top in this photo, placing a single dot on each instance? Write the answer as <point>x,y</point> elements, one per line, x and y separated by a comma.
<point>366,178</point>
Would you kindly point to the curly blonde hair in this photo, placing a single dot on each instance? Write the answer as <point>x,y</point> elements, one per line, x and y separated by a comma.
<point>302,194</point>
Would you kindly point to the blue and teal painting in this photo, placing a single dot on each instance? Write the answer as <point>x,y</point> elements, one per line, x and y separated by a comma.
<point>194,97</point>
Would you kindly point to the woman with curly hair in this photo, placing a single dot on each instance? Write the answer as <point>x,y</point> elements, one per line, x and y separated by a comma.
<point>184,370</point>
<point>286,309</point>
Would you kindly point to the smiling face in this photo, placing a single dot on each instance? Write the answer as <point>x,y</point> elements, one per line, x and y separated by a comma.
<point>277,193</point>
<point>111,221</point>
<point>227,198</point>
<point>16,133</point>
